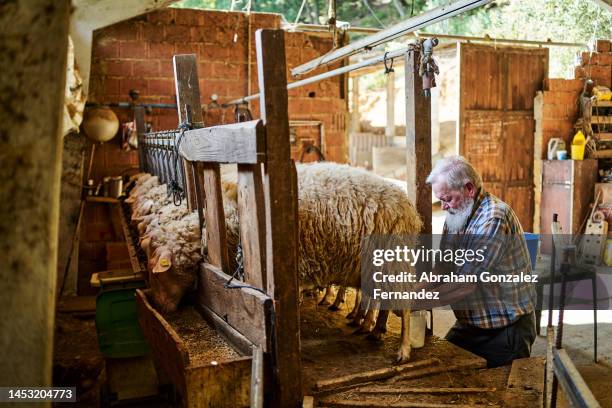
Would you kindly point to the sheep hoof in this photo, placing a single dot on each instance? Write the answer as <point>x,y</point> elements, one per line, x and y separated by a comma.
<point>353,323</point>
<point>333,308</point>
<point>376,335</point>
<point>402,357</point>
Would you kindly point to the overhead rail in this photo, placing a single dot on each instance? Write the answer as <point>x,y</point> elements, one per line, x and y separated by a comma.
<point>412,24</point>
<point>335,72</point>
<point>318,28</point>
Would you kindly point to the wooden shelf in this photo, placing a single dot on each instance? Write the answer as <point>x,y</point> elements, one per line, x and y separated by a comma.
<point>602,104</point>
<point>603,136</point>
<point>96,199</point>
<point>601,119</point>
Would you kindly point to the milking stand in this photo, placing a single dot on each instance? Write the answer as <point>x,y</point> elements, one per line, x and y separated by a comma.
<point>130,374</point>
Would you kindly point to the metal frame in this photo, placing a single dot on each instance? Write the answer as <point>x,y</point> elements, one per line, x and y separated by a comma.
<point>317,28</point>
<point>572,383</point>
<point>412,24</point>
<point>335,72</point>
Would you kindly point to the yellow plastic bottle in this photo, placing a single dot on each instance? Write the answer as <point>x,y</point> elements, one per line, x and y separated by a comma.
<point>578,144</point>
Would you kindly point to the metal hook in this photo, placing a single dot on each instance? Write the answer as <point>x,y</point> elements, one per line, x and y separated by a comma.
<point>388,69</point>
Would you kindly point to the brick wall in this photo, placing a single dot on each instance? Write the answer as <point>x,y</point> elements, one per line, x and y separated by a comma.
<point>559,103</point>
<point>597,66</point>
<point>556,110</point>
<point>137,54</point>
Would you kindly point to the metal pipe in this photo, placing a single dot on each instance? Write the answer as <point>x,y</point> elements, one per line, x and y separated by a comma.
<point>462,38</point>
<point>329,74</point>
<point>412,24</point>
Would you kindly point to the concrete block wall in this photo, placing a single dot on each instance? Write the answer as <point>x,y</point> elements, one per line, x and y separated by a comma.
<point>137,54</point>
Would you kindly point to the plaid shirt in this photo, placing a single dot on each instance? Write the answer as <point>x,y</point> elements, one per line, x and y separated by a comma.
<point>493,225</point>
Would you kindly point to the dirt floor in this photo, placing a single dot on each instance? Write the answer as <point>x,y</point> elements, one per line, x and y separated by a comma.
<point>330,349</point>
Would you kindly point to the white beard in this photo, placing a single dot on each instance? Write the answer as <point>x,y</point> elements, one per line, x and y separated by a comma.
<point>456,219</point>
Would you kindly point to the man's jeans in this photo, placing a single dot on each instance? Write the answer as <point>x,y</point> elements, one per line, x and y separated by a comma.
<point>498,346</point>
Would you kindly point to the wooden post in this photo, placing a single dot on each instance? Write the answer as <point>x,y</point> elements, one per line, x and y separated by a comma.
<point>418,139</point>
<point>390,128</point>
<point>34,43</point>
<point>281,210</point>
<point>355,119</point>
<point>188,103</point>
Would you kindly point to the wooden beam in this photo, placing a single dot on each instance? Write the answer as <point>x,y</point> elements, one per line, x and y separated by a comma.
<point>525,386</point>
<point>236,143</point>
<point>251,207</point>
<point>216,232</point>
<point>418,139</point>
<point>281,214</point>
<point>246,310</point>
<point>189,110</point>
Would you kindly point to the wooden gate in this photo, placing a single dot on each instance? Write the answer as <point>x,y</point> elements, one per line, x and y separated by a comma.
<point>496,124</point>
<point>262,310</point>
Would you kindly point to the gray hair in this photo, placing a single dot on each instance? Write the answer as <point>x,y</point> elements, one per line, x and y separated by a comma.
<point>456,171</point>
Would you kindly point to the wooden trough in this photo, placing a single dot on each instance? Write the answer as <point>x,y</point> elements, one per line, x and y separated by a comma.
<point>220,378</point>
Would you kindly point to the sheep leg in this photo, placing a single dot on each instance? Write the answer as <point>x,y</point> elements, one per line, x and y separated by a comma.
<point>381,326</point>
<point>403,353</point>
<point>355,310</point>
<point>360,313</point>
<point>369,320</point>
<point>339,299</point>
<point>327,299</point>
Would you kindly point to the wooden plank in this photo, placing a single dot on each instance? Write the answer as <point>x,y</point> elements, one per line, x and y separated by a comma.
<point>134,260</point>
<point>231,335</point>
<point>104,200</point>
<point>418,140</point>
<point>257,378</point>
<point>189,109</point>
<point>424,390</point>
<point>166,345</point>
<point>251,207</point>
<point>549,368</point>
<point>347,403</point>
<point>525,383</point>
<point>601,119</point>
<point>216,233</point>
<point>235,143</point>
<point>226,385</point>
<point>374,375</point>
<point>602,104</point>
<point>244,309</point>
<point>76,304</point>
<point>604,136</point>
<point>281,205</point>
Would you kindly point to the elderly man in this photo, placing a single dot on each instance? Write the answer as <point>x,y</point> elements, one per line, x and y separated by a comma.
<point>494,320</point>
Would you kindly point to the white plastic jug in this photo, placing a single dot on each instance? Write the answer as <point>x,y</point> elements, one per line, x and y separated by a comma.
<point>418,325</point>
<point>555,144</point>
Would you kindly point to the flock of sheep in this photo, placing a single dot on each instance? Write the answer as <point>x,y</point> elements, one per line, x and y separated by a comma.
<point>338,206</point>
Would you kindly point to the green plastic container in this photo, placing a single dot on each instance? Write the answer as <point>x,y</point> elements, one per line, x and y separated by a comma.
<point>119,335</point>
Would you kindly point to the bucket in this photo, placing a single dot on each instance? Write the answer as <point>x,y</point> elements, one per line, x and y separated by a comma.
<point>532,246</point>
<point>418,325</point>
